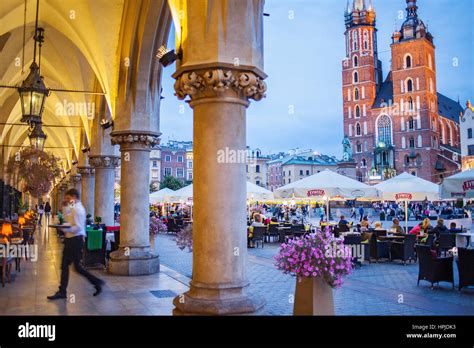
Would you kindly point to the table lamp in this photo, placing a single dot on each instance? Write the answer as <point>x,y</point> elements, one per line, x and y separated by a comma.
<point>7,230</point>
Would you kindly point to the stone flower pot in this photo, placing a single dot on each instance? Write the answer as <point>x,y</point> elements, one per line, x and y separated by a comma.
<point>313,296</point>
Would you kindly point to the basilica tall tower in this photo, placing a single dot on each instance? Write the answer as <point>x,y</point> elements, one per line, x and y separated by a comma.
<point>361,77</point>
<point>400,123</point>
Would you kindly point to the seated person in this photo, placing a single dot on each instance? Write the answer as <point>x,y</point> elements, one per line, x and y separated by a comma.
<point>378,226</point>
<point>439,228</point>
<point>396,226</point>
<point>274,221</point>
<point>453,227</point>
<point>343,224</point>
<point>423,227</point>
<point>258,221</point>
<point>364,224</point>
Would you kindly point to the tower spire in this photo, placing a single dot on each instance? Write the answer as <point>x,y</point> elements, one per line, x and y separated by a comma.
<point>359,5</point>
<point>412,9</point>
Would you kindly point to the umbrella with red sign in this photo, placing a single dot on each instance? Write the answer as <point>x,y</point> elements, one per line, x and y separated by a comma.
<point>406,187</point>
<point>460,185</point>
<point>325,186</point>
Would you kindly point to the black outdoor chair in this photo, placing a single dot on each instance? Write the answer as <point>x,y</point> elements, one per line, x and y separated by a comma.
<point>434,269</point>
<point>273,233</point>
<point>172,226</point>
<point>405,250</point>
<point>375,249</point>
<point>297,230</point>
<point>355,243</point>
<point>380,233</point>
<point>446,241</point>
<point>465,267</point>
<point>259,235</point>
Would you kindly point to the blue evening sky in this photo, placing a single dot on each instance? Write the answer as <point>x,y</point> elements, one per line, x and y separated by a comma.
<point>304,47</point>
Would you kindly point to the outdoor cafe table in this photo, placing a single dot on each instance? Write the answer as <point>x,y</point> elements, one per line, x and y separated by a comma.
<point>391,238</point>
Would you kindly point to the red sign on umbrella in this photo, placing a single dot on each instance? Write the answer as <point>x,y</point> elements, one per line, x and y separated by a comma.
<point>468,185</point>
<point>403,196</point>
<point>312,193</point>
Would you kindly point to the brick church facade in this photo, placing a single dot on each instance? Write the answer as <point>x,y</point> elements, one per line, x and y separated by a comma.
<point>400,123</point>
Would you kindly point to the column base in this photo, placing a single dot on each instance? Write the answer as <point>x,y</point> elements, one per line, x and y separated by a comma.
<point>217,301</point>
<point>136,261</point>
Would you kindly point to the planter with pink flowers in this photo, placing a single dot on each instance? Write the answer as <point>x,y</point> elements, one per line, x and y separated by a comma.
<point>319,261</point>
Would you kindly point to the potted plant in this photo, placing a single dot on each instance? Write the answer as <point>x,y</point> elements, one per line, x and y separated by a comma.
<point>157,226</point>
<point>184,238</point>
<point>319,261</point>
<point>22,207</point>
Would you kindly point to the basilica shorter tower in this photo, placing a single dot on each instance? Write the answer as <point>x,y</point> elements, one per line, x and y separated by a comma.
<point>400,123</point>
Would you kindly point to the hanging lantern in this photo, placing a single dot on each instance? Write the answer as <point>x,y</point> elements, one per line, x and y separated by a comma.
<point>33,93</point>
<point>37,137</point>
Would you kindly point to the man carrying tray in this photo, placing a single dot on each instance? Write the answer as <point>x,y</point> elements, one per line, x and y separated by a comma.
<point>74,234</point>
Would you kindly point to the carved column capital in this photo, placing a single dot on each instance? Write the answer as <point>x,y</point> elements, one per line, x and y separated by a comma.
<point>220,83</point>
<point>86,171</point>
<point>75,179</point>
<point>135,140</point>
<point>105,162</point>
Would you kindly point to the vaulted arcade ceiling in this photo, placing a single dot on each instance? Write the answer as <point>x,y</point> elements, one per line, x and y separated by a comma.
<point>84,40</point>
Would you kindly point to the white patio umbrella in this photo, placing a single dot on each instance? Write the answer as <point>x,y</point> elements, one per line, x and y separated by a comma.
<point>258,193</point>
<point>182,195</point>
<point>327,185</point>
<point>254,192</point>
<point>407,188</point>
<point>159,196</point>
<point>460,185</point>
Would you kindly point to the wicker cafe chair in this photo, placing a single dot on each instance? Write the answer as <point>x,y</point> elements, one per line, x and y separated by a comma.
<point>259,235</point>
<point>405,250</point>
<point>434,269</point>
<point>378,249</point>
<point>465,267</point>
<point>447,241</point>
<point>355,242</point>
<point>273,232</point>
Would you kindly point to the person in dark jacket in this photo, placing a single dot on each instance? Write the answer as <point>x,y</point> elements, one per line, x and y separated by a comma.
<point>439,228</point>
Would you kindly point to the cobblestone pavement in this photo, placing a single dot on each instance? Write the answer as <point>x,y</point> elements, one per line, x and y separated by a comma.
<point>373,289</point>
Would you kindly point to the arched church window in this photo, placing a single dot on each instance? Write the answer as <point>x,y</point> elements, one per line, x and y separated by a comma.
<point>355,77</point>
<point>355,39</point>
<point>366,40</point>
<point>384,129</point>
<point>408,62</point>
<point>356,94</point>
<point>356,61</point>
<point>411,123</point>
<point>357,111</point>
<point>410,85</point>
<point>358,129</point>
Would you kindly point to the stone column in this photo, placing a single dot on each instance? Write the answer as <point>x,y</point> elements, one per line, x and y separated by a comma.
<point>219,72</point>
<point>87,190</point>
<point>104,186</point>
<point>134,256</point>
<point>75,182</point>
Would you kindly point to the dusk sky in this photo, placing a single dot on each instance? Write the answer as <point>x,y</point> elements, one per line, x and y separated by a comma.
<point>303,60</point>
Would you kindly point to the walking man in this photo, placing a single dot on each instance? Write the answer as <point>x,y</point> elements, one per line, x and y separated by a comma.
<point>74,245</point>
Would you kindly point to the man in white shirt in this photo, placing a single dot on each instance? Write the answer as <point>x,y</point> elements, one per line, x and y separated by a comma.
<point>74,245</point>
